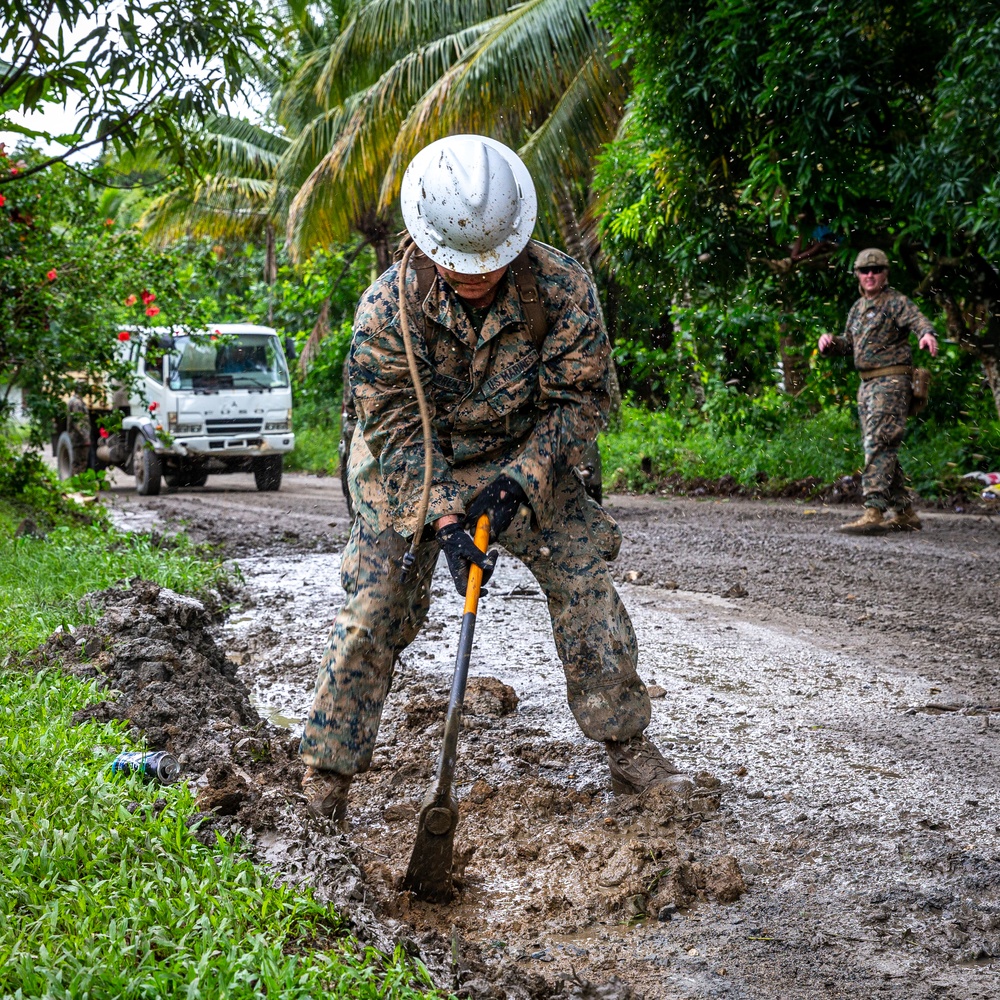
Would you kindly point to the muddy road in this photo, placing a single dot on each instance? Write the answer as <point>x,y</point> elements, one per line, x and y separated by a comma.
<point>837,696</point>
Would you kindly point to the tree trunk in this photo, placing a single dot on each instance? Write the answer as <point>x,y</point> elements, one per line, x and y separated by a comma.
<point>793,363</point>
<point>569,228</point>
<point>270,271</point>
<point>991,369</point>
<point>375,229</point>
<point>320,329</point>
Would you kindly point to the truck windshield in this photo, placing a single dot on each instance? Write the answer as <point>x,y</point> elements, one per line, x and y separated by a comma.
<point>240,361</point>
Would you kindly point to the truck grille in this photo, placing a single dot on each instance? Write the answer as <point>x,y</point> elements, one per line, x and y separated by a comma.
<point>232,427</point>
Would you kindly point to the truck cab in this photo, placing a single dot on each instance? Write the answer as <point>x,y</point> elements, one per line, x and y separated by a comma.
<point>213,402</point>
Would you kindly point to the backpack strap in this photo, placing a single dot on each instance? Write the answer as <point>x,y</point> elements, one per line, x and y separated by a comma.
<point>531,304</point>
<point>424,268</point>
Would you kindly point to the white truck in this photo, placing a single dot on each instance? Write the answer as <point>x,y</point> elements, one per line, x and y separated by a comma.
<point>214,402</point>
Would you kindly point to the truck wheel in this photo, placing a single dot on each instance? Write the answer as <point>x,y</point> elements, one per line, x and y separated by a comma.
<point>146,466</point>
<point>267,473</point>
<point>71,456</point>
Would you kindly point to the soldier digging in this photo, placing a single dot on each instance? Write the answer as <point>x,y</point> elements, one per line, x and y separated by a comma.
<point>514,361</point>
<point>878,332</point>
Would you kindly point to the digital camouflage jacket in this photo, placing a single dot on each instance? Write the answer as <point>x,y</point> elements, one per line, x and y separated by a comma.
<point>499,406</point>
<point>878,331</point>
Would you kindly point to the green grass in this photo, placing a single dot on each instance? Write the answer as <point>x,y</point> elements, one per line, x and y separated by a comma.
<point>42,578</point>
<point>827,446</point>
<point>104,894</point>
<point>315,450</point>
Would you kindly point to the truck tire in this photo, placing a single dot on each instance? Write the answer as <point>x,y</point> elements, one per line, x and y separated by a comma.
<point>146,469</point>
<point>71,455</point>
<point>267,473</point>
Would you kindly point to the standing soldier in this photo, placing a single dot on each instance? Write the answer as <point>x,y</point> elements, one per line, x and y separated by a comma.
<point>514,360</point>
<point>877,333</point>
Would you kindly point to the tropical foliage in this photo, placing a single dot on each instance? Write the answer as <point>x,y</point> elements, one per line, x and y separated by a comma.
<point>129,68</point>
<point>69,278</point>
<point>766,146</point>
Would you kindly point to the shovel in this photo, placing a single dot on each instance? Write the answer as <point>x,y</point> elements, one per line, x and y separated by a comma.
<point>429,873</point>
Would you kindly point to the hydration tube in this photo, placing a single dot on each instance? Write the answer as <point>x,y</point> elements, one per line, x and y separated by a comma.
<point>425,417</point>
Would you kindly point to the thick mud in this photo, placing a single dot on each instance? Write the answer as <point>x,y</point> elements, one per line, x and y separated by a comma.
<point>839,706</point>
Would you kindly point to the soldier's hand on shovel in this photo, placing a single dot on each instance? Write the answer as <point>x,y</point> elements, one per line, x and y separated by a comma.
<point>501,500</point>
<point>461,552</point>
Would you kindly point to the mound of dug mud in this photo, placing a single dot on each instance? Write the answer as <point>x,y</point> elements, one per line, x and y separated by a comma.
<point>543,862</point>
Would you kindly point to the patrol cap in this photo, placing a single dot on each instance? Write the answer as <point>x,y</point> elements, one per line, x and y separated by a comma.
<point>872,257</point>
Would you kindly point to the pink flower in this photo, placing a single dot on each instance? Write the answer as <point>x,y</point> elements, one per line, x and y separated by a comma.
<point>123,335</point>
<point>147,297</point>
<point>52,275</point>
<point>14,171</point>
<point>131,300</point>
<point>153,311</point>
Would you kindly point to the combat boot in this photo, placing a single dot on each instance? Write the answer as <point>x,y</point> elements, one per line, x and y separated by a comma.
<point>326,792</point>
<point>903,520</point>
<point>871,522</point>
<point>636,765</point>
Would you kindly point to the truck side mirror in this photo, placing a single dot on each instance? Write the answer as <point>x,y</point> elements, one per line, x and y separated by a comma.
<point>290,351</point>
<point>165,341</point>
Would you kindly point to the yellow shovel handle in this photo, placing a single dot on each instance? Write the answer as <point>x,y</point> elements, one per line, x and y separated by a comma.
<point>481,540</point>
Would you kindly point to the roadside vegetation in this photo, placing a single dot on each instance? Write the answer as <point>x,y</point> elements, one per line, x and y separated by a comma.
<point>107,890</point>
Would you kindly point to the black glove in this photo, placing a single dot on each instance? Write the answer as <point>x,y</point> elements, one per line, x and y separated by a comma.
<point>501,510</point>
<point>461,552</point>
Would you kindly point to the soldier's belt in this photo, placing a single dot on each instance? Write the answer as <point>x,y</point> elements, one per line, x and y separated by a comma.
<point>888,370</point>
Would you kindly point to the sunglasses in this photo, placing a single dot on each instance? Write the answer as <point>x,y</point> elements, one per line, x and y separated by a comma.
<point>871,270</point>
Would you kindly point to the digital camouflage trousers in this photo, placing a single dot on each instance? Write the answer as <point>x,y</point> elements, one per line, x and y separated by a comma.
<point>380,617</point>
<point>882,406</point>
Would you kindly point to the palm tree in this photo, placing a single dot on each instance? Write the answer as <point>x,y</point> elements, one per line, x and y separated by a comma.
<point>402,73</point>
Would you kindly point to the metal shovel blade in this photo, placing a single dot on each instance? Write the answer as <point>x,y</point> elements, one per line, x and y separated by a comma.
<point>428,875</point>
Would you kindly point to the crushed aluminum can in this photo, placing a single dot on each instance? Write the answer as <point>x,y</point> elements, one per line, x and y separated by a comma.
<point>158,766</point>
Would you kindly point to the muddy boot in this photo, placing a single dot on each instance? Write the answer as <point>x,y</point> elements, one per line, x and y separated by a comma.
<point>637,765</point>
<point>903,520</point>
<point>870,523</point>
<point>326,792</point>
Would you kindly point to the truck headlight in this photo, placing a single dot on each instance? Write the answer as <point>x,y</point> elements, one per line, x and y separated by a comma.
<point>280,425</point>
<point>178,428</point>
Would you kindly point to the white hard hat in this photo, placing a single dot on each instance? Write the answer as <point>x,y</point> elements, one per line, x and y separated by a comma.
<point>469,203</point>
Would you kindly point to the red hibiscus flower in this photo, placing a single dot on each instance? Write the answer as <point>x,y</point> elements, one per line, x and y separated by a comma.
<point>3,201</point>
<point>131,300</point>
<point>102,432</point>
<point>153,311</point>
<point>52,275</point>
<point>147,297</point>
<point>123,335</point>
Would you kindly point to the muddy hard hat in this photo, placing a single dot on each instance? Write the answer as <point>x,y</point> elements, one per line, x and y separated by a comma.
<point>871,258</point>
<point>469,203</point>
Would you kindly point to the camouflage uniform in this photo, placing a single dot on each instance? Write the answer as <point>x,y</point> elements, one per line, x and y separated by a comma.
<point>877,333</point>
<point>499,407</point>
